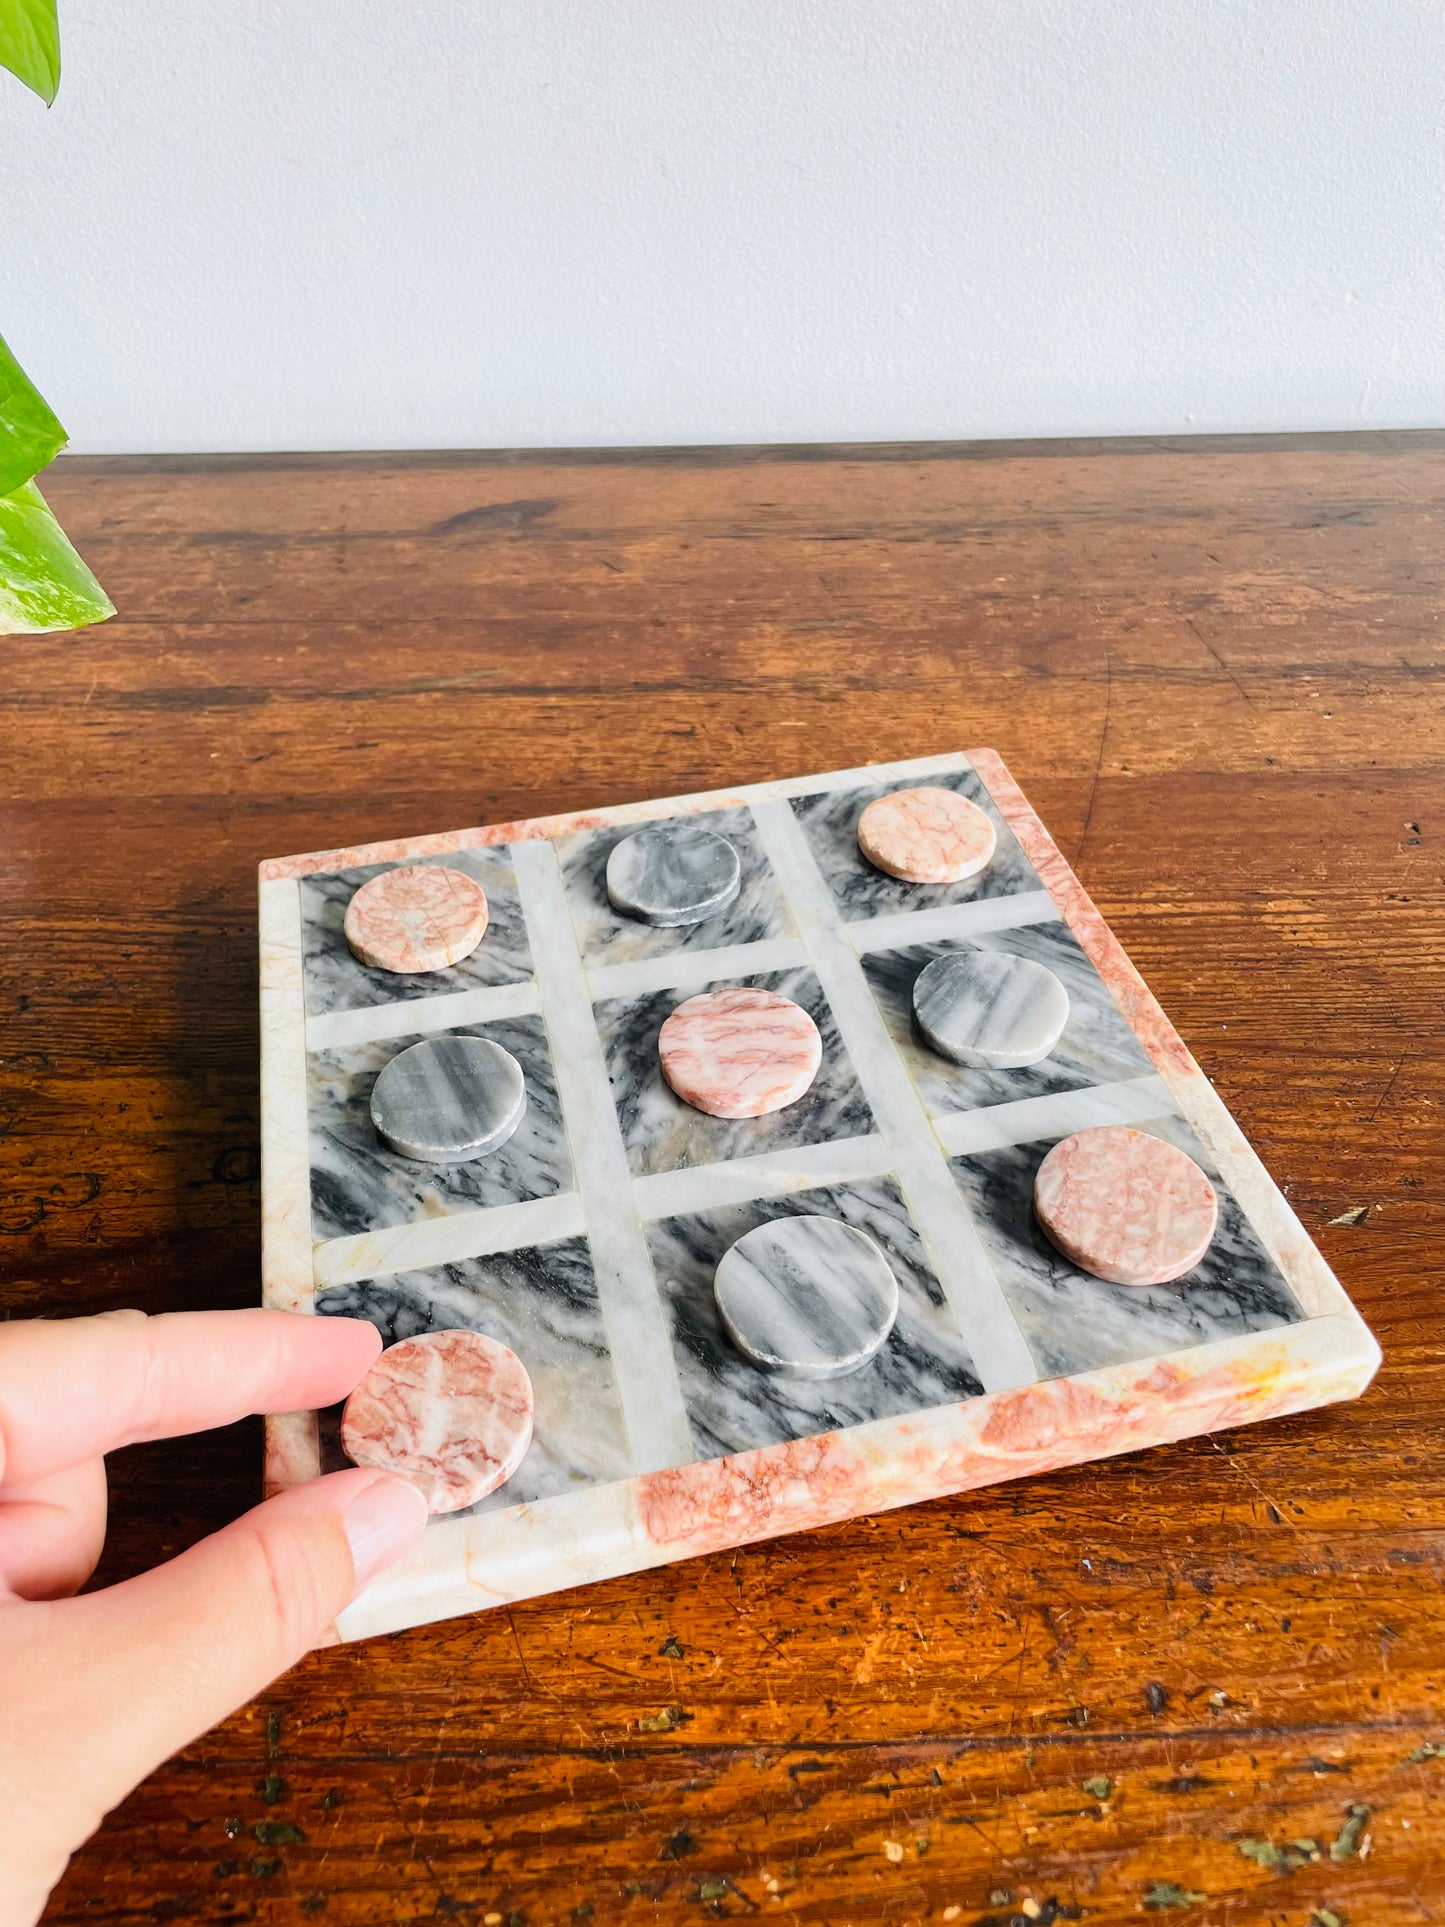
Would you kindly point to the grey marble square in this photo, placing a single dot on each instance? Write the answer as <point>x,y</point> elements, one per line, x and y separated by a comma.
<point>1097,1046</point>
<point>336,980</point>
<point>358,1185</point>
<point>733,1407</point>
<point>1074,1322</point>
<point>758,911</point>
<point>662,1133</point>
<point>542,1302</point>
<point>830,822</point>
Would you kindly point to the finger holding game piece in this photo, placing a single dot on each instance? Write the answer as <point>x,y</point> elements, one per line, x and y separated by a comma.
<point>449,1410</point>
<point>739,1052</point>
<point>806,1297</point>
<point>990,1009</point>
<point>448,1100</point>
<point>1125,1206</point>
<point>672,874</point>
<point>421,916</point>
<point>926,835</point>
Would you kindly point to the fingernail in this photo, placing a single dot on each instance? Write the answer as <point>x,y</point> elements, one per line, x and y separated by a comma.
<point>382,1522</point>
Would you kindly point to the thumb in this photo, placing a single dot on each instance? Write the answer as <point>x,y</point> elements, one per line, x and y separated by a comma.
<point>100,1689</point>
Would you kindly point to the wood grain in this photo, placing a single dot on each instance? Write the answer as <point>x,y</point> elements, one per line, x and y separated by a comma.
<point>1216,667</point>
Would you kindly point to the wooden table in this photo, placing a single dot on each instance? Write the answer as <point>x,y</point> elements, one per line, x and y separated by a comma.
<point>1216,667</point>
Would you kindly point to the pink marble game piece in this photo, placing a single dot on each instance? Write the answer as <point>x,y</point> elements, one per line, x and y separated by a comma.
<point>449,1410</point>
<point>739,1052</point>
<point>423,917</point>
<point>1125,1206</point>
<point>926,836</point>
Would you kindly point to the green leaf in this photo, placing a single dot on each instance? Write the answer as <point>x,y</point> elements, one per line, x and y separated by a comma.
<point>44,585</point>
<point>30,44</point>
<point>30,436</point>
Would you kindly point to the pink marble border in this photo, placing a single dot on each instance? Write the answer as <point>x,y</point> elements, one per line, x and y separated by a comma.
<point>531,828</point>
<point>709,1506</point>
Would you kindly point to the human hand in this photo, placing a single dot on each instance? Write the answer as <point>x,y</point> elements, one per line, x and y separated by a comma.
<point>96,1691</point>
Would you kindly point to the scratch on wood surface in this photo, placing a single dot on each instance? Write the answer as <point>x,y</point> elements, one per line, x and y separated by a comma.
<point>1385,1094</point>
<point>1205,643</point>
<point>1099,759</point>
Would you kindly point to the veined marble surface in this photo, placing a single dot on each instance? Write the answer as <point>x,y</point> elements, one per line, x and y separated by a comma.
<point>927,835</point>
<point>1073,1322</point>
<point>990,1009</point>
<point>419,917</point>
<point>449,1410</point>
<point>662,1133</point>
<point>1124,1205</point>
<point>337,980</point>
<point>542,1304</point>
<point>806,1296</point>
<point>671,874</point>
<point>830,823</point>
<point>605,935</point>
<point>739,1052</point>
<point>1097,1046</point>
<point>448,1099</point>
<point>359,1185</point>
<point>731,1405</point>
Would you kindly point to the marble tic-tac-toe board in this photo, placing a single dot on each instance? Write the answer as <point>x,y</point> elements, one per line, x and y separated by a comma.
<point>584,1248</point>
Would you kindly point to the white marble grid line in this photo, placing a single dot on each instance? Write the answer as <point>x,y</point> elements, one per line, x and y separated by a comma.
<point>684,967</point>
<point>1130,1101</point>
<point>489,1004</point>
<point>448,1240</point>
<point>950,1237</point>
<point>638,1337</point>
<point>293,1445</point>
<point>771,1174</point>
<point>948,920</point>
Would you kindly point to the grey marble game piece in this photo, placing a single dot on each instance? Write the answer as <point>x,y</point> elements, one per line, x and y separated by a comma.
<point>731,1405</point>
<point>829,820</point>
<point>990,1008</point>
<point>358,1185</point>
<point>541,1301</point>
<point>756,913</point>
<point>1076,1323</point>
<point>448,1100</point>
<point>806,1297</point>
<point>672,873</point>
<point>663,1133</point>
<point>1096,1047</point>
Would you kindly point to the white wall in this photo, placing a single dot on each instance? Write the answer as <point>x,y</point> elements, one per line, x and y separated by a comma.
<point>389,223</point>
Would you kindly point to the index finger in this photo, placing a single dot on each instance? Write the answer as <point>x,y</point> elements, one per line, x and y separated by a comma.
<point>75,1388</point>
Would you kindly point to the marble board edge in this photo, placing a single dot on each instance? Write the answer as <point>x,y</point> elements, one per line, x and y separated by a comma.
<point>500,1558</point>
<point>288,1266</point>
